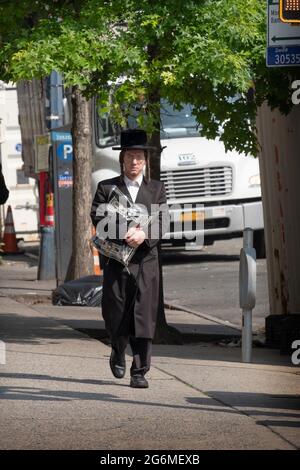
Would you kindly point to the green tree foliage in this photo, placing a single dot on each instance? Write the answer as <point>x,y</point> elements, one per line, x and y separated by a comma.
<point>210,53</point>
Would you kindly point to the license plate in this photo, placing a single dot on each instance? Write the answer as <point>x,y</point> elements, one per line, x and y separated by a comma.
<point>192,216</point>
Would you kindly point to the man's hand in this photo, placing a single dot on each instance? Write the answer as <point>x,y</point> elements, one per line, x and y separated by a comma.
<point>135,237</point>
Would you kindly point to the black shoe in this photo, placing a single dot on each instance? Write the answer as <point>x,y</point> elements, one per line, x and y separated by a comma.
<point>138,381</point>
<point>117,364</point>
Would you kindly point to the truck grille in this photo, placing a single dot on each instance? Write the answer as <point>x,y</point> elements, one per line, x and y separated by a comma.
<point>197,182</point>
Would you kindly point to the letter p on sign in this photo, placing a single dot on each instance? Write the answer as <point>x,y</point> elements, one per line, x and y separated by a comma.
<point>67,151</point>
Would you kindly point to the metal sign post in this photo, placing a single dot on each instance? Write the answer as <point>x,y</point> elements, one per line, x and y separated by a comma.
<point>247,291</point>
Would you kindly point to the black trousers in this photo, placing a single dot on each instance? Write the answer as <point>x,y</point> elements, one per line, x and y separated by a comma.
<point>141,347</point>
<point>141,352</point>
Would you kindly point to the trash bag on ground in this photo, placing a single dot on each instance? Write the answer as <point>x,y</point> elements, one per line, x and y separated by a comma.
<point>84,292</point>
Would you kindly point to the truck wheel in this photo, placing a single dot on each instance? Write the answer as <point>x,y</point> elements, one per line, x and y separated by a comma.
<point>259,243</point>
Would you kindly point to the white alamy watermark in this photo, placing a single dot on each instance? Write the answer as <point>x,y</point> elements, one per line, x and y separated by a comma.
<point>177,221</point>
<point>2,353</point>
<point>296,93</point>
<point>296,354</point>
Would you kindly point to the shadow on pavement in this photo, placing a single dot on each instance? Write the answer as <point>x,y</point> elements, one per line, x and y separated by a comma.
<point>23,329</point>
<point>254,400</point>
<point>40,377</point>
<point>188,258</point>
<point>258,404</point>
<point>216,353</point>
<point>17,258</point>
<point>26,330</point>
<point>251,404</point>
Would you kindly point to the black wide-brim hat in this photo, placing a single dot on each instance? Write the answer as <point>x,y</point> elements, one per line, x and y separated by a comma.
<point>133,139</point>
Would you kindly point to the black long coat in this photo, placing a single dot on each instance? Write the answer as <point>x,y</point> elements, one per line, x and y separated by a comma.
<point>4,193</point>
<point>121,292</point>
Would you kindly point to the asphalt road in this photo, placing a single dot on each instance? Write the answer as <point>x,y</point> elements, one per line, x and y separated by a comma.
<point>208,281</point>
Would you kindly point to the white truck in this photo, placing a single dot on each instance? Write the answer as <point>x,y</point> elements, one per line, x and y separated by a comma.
<point>196,171</point>
<point>23,190</point>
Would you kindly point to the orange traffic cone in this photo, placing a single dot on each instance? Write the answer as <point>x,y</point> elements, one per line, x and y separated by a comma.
<point>97,268</point>
<point>9,238</point>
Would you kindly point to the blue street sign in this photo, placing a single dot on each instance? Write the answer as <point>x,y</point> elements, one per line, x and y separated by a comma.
<point>65,151</point>
<point>18,147</point>
<point>56,136</point>
<point>284,56</point>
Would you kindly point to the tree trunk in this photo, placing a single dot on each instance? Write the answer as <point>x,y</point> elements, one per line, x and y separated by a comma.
<point>81,263</point>
<point>279,138</point>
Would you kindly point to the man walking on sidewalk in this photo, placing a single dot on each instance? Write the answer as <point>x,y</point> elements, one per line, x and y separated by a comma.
<point>130,297</point>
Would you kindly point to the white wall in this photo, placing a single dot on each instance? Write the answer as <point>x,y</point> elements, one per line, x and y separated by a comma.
<point>23,196</point>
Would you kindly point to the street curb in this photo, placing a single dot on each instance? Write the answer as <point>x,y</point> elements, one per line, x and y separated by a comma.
<point>206,316</point>
<point>31,255</point>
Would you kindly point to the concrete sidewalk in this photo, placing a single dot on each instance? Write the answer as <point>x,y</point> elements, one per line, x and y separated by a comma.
<point>58,392</point>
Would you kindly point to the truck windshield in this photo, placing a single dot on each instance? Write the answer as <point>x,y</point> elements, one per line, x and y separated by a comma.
<point>174,124</point>
<point>177,123</point>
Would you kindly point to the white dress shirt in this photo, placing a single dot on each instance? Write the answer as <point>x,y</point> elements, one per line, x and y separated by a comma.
<point>133,186</point>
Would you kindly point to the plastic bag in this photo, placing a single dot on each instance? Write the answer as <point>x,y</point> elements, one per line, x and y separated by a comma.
<point>85,291</point>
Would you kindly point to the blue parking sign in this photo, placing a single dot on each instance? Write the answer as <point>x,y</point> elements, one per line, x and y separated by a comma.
<point>65,151</point>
